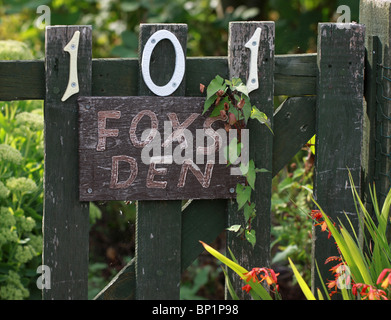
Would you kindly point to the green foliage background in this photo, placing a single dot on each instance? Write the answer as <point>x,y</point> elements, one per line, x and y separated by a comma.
<point>116,22</point>
<point>115,34</point>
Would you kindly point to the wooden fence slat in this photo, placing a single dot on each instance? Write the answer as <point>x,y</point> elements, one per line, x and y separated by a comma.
<point>295,74</point>
<point>25,80</point>
<point>159,223</point>
<point>378,94</point>
<point>66,219</point>
<point>260,146</point>
<point>339,121</point>
<point>294,125</point>
<point>22,80</point>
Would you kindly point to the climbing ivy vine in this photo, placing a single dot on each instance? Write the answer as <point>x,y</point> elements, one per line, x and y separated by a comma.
<point>230,100</point>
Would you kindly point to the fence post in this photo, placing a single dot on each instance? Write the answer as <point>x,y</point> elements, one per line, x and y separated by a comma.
<point>261,143</point>
<point>66,219</point>
<point>339,132</point>
<point>159,223</point>
<point>375,14</point>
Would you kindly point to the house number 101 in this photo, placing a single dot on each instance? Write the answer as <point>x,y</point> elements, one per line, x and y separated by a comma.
<point>179,70</point>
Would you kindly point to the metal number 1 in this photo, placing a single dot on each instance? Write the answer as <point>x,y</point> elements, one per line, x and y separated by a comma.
<point>73,83</point>
<point>253,45</point>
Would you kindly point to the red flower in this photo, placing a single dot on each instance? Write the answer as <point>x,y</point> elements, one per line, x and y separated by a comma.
<point>371,294</point>
<point>268,274</point>
<point>332,284</point>
<point>316,214</point>
<point>252,275</point>
<point>387,280</point>
<point>246,288</point>
<point>332,258</point>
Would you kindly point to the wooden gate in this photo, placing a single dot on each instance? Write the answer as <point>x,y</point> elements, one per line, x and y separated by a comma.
<point>325,96</point>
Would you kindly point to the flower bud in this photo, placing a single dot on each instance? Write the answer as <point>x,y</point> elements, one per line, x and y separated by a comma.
<point>232,118</point>
<point>241,104</point>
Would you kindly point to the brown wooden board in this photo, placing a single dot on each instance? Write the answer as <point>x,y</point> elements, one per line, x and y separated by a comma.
<point>110,141</point>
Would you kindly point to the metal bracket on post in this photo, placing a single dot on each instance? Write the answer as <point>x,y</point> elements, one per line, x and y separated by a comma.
<point>73,84</point>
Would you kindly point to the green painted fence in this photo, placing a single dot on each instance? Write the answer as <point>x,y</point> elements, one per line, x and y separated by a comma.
<point>324,96</point>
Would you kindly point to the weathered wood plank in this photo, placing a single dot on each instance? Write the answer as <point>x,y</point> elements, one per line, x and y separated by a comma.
<point>24,80</point>
<point>295,75</point>
<point>294,125</point>
<point>115,77</point>
<point>339,131</point>
<point>65,219</point>
<point>376,16</point>
<point>201,220</point>
<point>260,146</point>
<point>203,70</point>
<point>159,223</point>
<point>122,286</point>
<point>118,163</point>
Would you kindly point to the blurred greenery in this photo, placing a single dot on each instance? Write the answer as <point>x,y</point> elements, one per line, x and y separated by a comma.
<point>291,205</point>
<point>115,34</point>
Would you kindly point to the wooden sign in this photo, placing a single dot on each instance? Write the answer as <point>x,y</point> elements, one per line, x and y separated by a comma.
<point>150,148</point>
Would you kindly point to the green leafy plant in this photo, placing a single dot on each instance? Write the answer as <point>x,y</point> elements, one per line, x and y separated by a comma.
<point>363,272</point>
<point>200,281</point>
<point>367,263</point>
<point>229,100</point>
<point>256,289</point>
<point>291,201</point>
<point>21,197</point>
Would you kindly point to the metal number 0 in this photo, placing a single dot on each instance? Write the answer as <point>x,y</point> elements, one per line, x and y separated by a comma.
<point>179,70</point>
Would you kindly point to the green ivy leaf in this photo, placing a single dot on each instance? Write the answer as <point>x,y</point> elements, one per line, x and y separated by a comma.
<point>235,82</point>
<point>249,172</point>
<point>220,106</point>
<point>234,228</point>
<point>243,195</point>
<point>232,151</point>
<point>246,109</point>
<point>209,102</point>
<point>215,85</point>
<point>243,89</point>
<point>237,85</point>
<point>262,170</point>
<point>250,237</point>
<point>261,117</point>
<point>249,211</point>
